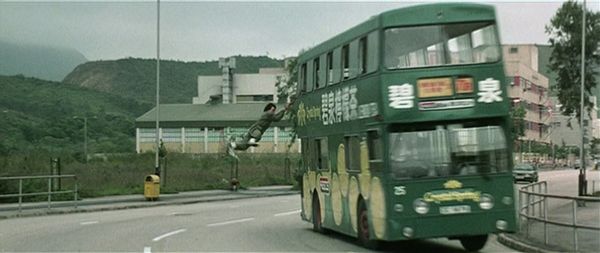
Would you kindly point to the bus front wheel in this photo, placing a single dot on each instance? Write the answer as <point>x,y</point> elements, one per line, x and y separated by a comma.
<point>364,235</point>
<point>473,243</point>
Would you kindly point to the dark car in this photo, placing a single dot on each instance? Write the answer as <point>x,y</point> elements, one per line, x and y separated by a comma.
<point>525,172</point>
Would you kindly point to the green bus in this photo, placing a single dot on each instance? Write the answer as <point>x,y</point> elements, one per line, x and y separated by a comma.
<point>405,130</point>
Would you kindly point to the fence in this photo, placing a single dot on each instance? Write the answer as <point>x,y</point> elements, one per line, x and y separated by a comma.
<point>533,206</point>
<point>52,188</point>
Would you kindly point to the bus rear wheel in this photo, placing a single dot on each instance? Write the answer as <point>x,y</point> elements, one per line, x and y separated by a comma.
<point>364,236</point>
<point>316,215</point>
<point>473,243</point>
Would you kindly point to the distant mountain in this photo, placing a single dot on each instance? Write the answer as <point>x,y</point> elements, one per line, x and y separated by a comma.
<point>44,115</point>
<point>136,78</point>
<point>48,63</point>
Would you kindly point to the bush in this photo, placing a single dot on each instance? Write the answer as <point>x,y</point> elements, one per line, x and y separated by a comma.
<point>117,174</point>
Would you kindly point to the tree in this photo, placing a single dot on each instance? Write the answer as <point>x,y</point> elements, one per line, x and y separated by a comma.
<point>287,86</point>
<point>594,147</point>
<point>565,39</point>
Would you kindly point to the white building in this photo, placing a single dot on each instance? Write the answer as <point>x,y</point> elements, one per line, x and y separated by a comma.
<point>234,88</point>
<point>529,89</point>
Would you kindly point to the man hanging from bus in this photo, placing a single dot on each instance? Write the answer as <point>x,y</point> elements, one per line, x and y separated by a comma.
<point>254,134</point>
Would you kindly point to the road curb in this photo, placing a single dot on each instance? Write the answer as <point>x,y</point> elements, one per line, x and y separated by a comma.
<point>180,201</point>
<point>513,242</point>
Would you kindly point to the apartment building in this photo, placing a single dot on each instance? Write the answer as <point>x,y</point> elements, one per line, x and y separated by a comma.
<point>529,89</point>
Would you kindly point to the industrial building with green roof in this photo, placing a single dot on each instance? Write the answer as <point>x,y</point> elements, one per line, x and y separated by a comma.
<point>220,110</point>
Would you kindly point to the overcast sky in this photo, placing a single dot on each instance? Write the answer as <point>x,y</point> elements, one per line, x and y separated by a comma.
<point>201,31</point>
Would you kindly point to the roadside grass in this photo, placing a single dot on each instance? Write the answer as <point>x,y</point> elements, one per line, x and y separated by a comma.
<point>119,174</point>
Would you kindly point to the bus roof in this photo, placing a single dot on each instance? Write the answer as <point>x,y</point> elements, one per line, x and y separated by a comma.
<point>408,16</point>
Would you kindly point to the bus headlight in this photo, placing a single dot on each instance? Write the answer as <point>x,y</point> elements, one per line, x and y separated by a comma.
<point>486,202</point>
<point>420,206</point>
<point>501,225</point>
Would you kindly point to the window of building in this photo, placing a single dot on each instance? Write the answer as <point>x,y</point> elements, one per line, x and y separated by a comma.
<point>194,135</point>
<point>171,135</point>
<point>345,62</point>
<point>147,135</point>
<point>516,81</point>
<point>254,98</point>
<point>362,55</point>
<point>514,50</point>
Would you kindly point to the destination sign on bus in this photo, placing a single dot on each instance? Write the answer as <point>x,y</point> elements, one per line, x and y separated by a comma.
<point>464,85</point>
<point>435,87</point>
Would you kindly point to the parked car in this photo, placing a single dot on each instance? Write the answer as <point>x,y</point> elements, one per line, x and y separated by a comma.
<point>525,172</point>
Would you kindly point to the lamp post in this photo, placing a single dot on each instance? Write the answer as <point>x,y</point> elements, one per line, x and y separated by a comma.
<point>582,181</point>
<point>156,158</point>
<point>85,135</point>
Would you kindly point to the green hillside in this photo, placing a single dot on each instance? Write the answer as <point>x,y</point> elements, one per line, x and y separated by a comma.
<point>136,78</point>
<point>38,115</point>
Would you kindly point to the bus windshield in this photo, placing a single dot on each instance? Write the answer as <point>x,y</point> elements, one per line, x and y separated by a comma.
<point>435,45</point>
<point>448,150</point>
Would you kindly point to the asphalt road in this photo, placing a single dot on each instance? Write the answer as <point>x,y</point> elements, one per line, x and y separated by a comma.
<point>258,225</point>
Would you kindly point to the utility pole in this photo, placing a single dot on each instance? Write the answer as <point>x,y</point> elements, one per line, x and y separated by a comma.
<point>85,135</point>
<point>582,181</point>
<point>156,161</point>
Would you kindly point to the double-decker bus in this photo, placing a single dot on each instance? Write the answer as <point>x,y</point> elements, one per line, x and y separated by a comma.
<point>405,129</point>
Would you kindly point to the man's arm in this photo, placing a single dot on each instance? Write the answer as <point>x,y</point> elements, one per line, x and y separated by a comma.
<point>278,116</point>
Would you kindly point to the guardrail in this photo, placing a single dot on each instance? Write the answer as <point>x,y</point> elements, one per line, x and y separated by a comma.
<point>49,193</point>
<point>531,201</point>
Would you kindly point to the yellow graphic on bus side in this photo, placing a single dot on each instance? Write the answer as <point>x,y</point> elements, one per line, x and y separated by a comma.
<point>377,206</point>
<point>307,113</point>
<point>301,115</point>
<point>453,184</point>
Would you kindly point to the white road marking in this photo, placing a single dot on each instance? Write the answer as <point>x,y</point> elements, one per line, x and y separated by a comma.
<point>287,213</point>
<point>168,234</point>
<point>178,214</point>
<point>83,223</point>
<point>147,250</point>
<point>229,222</point>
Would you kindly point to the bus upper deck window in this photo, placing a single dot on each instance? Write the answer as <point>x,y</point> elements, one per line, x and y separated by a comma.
<point>303,78</point>
<point>345,62</point>
<point>329,74</point>
<point>443,44</point>
<point>362,55</point>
